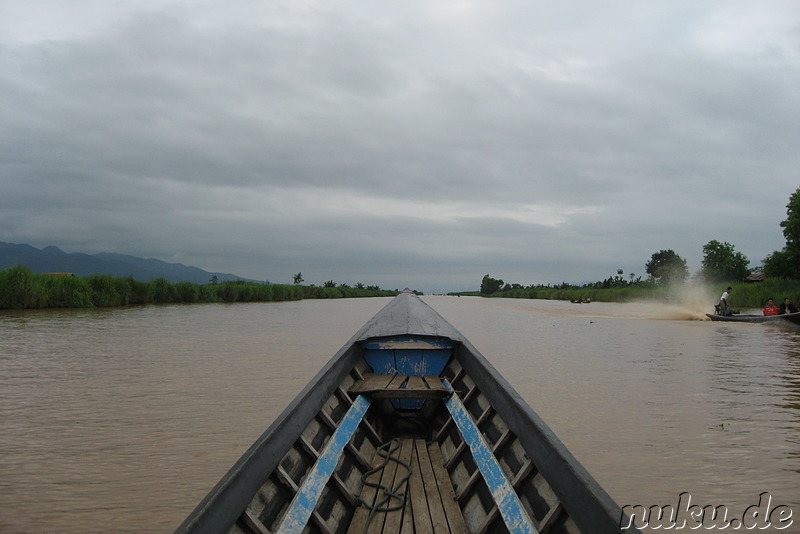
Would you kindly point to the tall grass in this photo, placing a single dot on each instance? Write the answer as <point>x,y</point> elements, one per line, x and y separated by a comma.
<point>20,288</point>
<point>755,295</point>
<point>745,294</point>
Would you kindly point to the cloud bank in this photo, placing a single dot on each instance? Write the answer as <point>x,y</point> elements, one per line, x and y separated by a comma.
<point>423,144</point>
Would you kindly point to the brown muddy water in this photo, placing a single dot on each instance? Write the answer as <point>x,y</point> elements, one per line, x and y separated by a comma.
<point>122,420</point>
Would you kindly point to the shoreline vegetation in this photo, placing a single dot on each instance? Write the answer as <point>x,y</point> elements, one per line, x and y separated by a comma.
<point>21,288</point>
<point>745,294</point>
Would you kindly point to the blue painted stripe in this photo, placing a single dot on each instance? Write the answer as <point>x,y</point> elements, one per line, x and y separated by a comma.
<point>305,500</point>
<point>514,515</point>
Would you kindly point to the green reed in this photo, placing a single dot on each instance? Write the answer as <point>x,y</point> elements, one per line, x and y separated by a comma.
<point>21,288</point>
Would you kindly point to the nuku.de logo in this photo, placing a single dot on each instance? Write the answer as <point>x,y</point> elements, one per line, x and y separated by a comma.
<point>686,515</point>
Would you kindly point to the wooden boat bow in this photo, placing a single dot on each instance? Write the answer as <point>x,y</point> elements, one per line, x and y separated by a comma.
<point>479,459</point>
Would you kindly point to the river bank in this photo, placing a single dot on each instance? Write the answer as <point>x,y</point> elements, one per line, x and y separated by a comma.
<point>21,288</point>
<point>744,295</point>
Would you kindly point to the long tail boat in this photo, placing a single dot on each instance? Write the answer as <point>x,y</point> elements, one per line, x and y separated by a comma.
<point>786,318</point>
<point>407,429</point>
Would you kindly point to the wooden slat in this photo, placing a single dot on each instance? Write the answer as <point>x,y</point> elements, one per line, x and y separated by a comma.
<point>365,464</point>
<point>387,481</point>
<point>337,481</point>
<point>397,381</point>
<point>419,505</point>
<point>394,519</point>
<point>455,518</point>
<point>552,516</point>
<point>466,487</point>
<point>415,382</point>
<point>345,396</point>
<point>435,508</point>
<point>284,477</point>
<point>389,477</point>
<point>408,517</point>
<point>519,477</point>
<point>361,515</point>
<point>387,386</point>
<point>444,429</point>
<point>514,515</point>
<point>371,382</point>
<point>372,434</point>
<point>254,523</point>
<point>304,501</point>
<point>434,382</point>
<point>407,526</point>
<point>407,394</point>
<point>463,445</point>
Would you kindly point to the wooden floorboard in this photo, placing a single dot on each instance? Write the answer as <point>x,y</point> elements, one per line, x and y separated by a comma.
<point>455,518</point>
<point>382,500</point>
<point>430,505</point>
<point>432,495</point>
<point>419,505</point>
<point>394,519</point>
<point>361,514</point>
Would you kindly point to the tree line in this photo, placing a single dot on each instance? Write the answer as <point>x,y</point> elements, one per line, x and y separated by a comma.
<point>20,288</point>
<point>721,263</point>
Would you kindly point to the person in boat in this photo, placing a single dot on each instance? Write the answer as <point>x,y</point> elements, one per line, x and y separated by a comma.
<point>787,307</point>
<point>724,309</point>
<point>770,308</point>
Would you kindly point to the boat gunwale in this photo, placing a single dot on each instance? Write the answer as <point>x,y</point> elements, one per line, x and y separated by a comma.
<point>230,496</point>
<point>586,502</point>
<point>792,318</point>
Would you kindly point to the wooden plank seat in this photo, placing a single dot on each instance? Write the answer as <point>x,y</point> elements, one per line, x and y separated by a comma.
<point>429,504</point>
<point>400,386</point>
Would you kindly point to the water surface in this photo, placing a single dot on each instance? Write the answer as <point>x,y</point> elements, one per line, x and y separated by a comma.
<point>122,420</point>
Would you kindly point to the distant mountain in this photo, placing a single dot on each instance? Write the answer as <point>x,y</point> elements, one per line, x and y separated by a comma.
<point>53,259</point>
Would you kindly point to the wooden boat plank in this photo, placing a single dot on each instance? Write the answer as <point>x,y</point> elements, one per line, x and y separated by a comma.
<point>254,524</point>
<point>394,519</point>
<point>368,495</point>
<point>419,503</point>
<point>514,515</point>
<point>251,520</point>
<point>551,517</point>
<point>432,496</point>
<point>455,519</point>
<point>591,508</point>
<point>305,500</point>
<point>372,382</point>
<point>388,386</point>
<point>433,382</point>
<point>397,381</point>
<point>383,501</point>
<point>516,482</point>
<point>416,383</point>
<point>365,464</point>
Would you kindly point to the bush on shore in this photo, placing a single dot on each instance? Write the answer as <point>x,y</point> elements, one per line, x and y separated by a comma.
<point>20,288</point>
<point>745,294</point>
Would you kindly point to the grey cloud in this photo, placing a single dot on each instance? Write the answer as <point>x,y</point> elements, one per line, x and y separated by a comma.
<point>226,141</point>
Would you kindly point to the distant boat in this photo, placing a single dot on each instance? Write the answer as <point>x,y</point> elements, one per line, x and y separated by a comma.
<point>408,428</point>
<point>745,318</point>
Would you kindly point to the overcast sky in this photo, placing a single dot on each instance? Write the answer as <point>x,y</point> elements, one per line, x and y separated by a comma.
<point>416,143</point>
